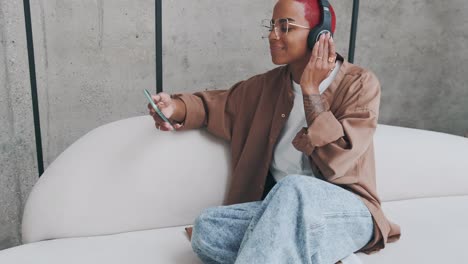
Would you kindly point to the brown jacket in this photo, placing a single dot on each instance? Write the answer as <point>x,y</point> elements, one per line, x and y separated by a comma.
<point>339,142</point>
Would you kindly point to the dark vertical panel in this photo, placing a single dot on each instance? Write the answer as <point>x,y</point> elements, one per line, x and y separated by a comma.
<point>354,23</point>
<point>32,77</point>
<point>158,35</point>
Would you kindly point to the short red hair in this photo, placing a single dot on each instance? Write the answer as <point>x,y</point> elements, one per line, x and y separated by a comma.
<point>313,14</point>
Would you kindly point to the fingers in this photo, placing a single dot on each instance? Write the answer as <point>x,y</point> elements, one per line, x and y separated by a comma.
<point>167,127</point>
<point>156,98</point>
<point>332,50</point>
<point>321,47</point>
<point>158,101</point>
<point>319,66</point>
<point>160,123</point>
<point>326,43</point>
<point>165,98</point>
<point>157,119</point>
<point>331,55</point>
<point>314,56</point>
<point>163,127</point>
<point>162,100</point>
<point>321,51</point>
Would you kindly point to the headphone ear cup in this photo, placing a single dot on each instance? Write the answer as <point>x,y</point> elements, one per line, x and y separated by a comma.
<point>314,34</point>
<point>312,38</point>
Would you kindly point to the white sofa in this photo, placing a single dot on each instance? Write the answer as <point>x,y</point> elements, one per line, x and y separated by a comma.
<point>121,194</point>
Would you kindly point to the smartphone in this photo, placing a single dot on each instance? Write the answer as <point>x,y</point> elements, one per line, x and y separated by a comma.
<point>156,108</point>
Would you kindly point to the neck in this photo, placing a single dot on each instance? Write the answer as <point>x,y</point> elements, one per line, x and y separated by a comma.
<point>297,68</point>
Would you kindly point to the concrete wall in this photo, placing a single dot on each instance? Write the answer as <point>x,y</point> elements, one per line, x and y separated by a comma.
<point>94,57</point>
<point>93,60</point>
<point>225,44</point>
<point>418,48</point>
<point>18,169</point>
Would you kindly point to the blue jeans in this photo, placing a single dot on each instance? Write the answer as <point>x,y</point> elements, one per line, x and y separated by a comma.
<point>301,220</point>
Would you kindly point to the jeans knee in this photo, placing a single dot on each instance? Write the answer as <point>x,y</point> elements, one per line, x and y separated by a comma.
<point>294,180</point>
<point>201,232</point>
<point>300,185</point>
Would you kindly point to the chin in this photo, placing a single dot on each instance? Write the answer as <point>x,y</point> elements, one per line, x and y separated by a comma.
<point>278,61</point>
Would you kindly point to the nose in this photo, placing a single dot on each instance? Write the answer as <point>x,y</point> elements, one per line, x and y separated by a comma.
<point>273,34</point>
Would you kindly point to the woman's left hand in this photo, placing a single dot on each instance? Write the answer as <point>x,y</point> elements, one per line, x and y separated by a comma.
<point>321,64</point>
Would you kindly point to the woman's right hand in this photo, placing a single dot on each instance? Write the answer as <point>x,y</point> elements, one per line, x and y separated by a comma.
<point>168,107</point>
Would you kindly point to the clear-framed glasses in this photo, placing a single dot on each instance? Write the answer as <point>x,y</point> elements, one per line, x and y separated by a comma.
<point>280,26</point>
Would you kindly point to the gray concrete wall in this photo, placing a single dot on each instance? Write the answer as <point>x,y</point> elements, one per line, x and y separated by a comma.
<point>419,49</point>
<point>416,49</point>
<point>17,151</point>
<point>225,44</point>
<point>94,57</point>
<point>93,60</point>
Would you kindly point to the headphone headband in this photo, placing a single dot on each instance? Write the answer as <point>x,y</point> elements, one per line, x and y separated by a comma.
<point>324,3</point>
<point>324,26</point>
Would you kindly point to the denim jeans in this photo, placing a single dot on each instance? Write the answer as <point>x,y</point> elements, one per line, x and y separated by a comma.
<point>301,220</point>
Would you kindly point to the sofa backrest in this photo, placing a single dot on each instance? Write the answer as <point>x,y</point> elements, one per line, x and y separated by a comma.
<point>414,163</point>
<point>127,176</point>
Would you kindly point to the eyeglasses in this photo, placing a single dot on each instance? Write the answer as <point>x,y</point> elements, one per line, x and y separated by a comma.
<point>281,27</point>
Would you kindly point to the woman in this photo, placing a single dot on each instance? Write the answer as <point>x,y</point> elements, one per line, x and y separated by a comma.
<point>303,181</point>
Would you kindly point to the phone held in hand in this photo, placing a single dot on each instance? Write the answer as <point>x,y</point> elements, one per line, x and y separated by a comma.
<point>156,108</point>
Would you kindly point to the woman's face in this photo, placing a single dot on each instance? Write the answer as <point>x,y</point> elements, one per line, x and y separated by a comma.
<point>292,47</point>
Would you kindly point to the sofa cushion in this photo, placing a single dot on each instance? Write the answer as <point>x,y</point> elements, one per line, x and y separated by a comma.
<point>167,245</point>
<point>434,231</point>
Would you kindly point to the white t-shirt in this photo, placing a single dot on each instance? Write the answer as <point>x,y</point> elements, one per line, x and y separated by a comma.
<point>287,159</point>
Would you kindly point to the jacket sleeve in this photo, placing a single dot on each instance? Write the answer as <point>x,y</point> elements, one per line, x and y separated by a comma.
<point>214,110</point>
<point>336,141</point>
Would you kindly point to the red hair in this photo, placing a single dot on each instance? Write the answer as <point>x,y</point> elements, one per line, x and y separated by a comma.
<point>313,14</point>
